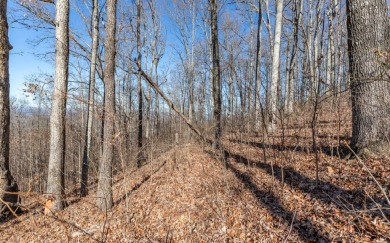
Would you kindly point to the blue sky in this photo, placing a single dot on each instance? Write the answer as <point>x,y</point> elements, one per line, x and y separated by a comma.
<point>22,60</point>
<point>24,63</point>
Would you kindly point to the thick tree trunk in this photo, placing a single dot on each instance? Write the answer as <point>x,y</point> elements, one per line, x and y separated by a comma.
<point>104,192</point>
<point>276,62</point>
<point>56,179</point>
<point>7,182</point>
<point>216,74</point>
<point>369,37</point>
<point>91,99</point>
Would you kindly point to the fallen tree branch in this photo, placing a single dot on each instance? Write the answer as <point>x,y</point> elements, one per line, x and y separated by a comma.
<point>9,207</point>
<point>173,107</point>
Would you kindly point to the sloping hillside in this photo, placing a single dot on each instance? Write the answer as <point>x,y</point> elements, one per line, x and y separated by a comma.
<point>188,195</point>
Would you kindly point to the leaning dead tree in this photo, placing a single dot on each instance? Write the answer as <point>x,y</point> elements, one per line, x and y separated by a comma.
<point>172,106</point>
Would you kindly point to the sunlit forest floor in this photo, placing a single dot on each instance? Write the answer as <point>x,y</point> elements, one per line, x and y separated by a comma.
<point>258,189</point>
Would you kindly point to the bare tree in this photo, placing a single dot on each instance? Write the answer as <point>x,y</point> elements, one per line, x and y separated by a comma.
<point>91,99</point>
<point>216,74</point>
<point>257,104</point>
<point>184,17</point>
<point>276,63</point>
<point>157,49</point>
<point>140,156</point>
<point>7,182</point>
<point>297,6</point>
<point>104,192</point>
<point>368,38</point>
<point>56,179</point>
<point>330,53</point>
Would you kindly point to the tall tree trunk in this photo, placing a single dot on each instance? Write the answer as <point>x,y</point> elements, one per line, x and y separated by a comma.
<point>368,39</point>
<point>276,62</point>
<point>191,108</point>
<point>140,100</point>
<point>216,74</point>
<point>91,99</point>
<point>297,6</point>
<point>330,53</point>
<point>258,66</point>
<point>310,58</point>
<point>7,182</point>
<point>104,192</point>
<point>337,54</point>
<point>56,179</point>
<point>230,83</point>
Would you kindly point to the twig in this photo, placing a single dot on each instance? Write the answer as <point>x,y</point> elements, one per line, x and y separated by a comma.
<point>291,225</point>
<point>9,207</point>
<point>369,172</point>
<point>379,207</point>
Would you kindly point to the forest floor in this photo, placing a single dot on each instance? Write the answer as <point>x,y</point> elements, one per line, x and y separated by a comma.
<point>256,190</point>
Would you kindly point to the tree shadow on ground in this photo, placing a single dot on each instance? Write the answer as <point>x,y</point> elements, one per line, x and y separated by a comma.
<point>138,185</point>
<point>7,215</point>
<point>328,150</point>
<point>304,228</point>
<point>19,210</point>
<point>326,192</point>
<point>297,136</point>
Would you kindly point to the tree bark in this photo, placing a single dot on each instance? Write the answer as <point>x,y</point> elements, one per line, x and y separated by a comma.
<point>7,182</point>
<point>91,98</point>
<point>140,100</point>
<point>104,192</point>
<point>276,63</point>
<point>257,103</point>
<point>368,38</point>
<point>56,179</point>
<point>330,53</point>
<point>216,74</point>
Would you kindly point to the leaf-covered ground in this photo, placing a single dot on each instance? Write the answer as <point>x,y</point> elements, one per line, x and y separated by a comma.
<point>258,189</point>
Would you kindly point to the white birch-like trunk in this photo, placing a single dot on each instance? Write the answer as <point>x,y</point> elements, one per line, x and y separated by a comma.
<point>330,53</point>
<point>276,63</point>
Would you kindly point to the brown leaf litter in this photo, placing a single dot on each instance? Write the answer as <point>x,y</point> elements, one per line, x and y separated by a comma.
<point>188,195</point>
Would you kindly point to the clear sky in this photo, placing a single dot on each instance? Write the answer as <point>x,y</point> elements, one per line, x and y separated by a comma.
<point>22,60</point>
<point>24,63</point>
